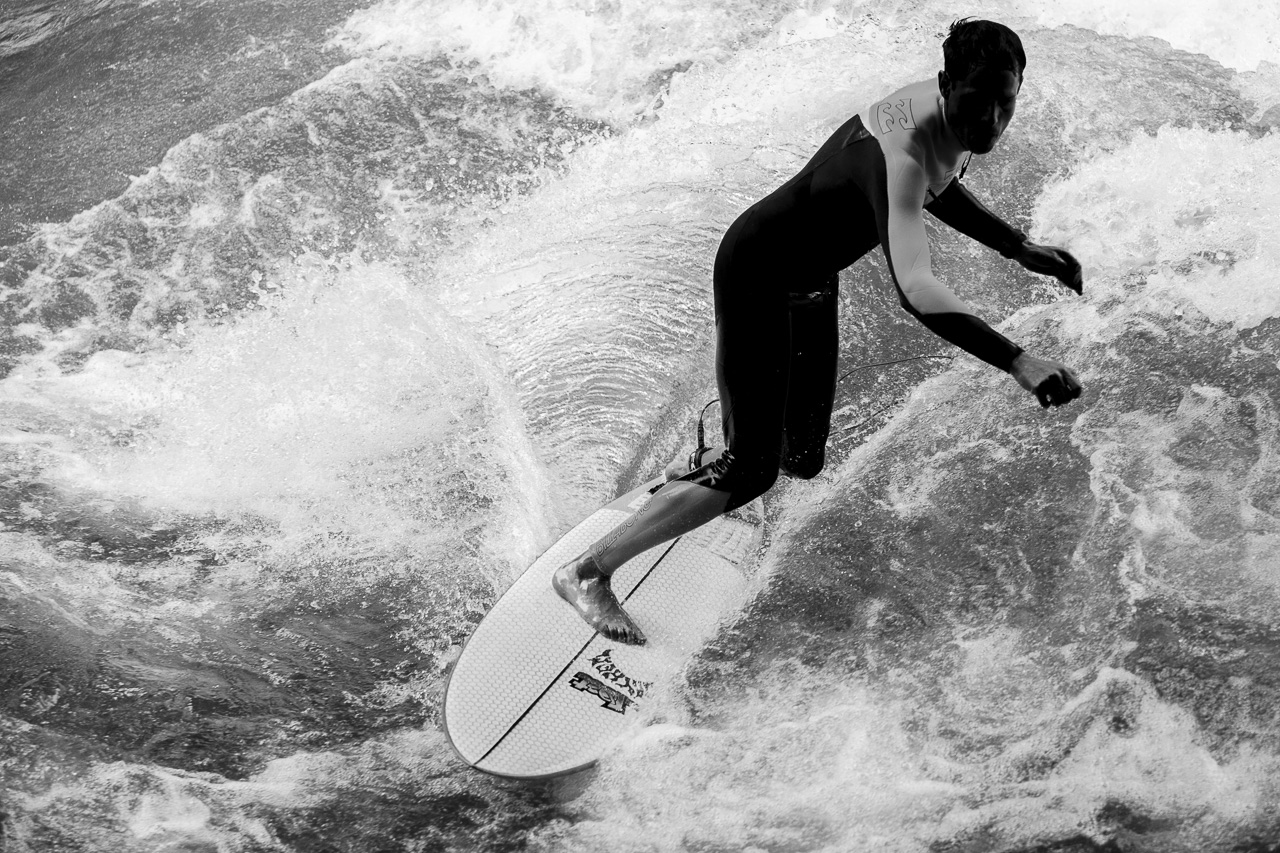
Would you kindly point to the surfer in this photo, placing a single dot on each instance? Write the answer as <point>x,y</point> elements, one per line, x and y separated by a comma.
<point>775,281</point>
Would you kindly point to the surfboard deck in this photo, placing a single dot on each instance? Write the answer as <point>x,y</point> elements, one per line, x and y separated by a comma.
<point>537,693</point>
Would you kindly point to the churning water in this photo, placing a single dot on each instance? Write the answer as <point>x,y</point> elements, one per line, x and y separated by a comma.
<point>317,324</point>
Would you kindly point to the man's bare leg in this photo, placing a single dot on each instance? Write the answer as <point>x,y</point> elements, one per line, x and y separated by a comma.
<point>674,510</point>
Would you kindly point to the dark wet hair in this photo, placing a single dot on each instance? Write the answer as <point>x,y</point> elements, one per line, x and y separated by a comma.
<point>971,44</point>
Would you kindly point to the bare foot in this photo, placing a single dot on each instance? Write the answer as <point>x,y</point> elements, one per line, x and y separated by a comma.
<point>581,583</point>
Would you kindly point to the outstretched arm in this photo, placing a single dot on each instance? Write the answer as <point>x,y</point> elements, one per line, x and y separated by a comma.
<point>906,247</point>
<point>960,209</point>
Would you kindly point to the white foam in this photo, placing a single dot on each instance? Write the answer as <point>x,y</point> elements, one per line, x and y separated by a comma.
<point>1240,34</point>
<point>1192,212</point>
<point>1209,27</point>
<point>605,58</point>
<point>598,56</point>
<point>1006,759</point>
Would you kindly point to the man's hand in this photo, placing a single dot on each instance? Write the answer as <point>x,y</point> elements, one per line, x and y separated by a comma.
<point>1049,260</point>
<point>1053,384</point>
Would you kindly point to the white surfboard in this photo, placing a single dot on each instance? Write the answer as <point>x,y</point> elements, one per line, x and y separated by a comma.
<point>536,692</point>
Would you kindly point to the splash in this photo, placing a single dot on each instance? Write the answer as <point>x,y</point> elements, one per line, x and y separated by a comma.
<point>615,58</point>
<point>611,58</point>
<point>1180,211</point>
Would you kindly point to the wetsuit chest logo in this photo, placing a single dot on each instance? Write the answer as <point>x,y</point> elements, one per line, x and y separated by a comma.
<point>892,115</point>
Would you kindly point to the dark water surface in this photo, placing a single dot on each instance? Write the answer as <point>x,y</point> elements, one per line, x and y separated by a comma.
<point>112,86</point>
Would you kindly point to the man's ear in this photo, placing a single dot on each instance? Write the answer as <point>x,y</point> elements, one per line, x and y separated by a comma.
<point>944,84</point>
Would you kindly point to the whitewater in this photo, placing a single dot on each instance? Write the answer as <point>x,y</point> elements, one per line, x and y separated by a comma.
<point>319,323</point>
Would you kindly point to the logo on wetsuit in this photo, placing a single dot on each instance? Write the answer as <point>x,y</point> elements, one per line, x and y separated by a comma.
<point>610,697</point>
<point>895,115</point>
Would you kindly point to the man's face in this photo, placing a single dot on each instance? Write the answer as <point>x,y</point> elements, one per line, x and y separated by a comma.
<point>980,106</point>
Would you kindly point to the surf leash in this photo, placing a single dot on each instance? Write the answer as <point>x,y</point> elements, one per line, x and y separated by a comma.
<point>854,370</point>
<point>886,408</point>
<point>702,436</point>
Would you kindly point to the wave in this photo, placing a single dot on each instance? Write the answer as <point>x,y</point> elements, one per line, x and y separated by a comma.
<point>283,418</point>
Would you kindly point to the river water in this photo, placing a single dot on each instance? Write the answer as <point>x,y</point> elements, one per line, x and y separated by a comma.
<point>319,322</point>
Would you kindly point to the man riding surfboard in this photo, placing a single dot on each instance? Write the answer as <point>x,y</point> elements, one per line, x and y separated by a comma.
<point>775,280</point>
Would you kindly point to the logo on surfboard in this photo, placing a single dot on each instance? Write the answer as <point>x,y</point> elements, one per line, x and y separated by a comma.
<point>611,695</point>
<point>609,698</point>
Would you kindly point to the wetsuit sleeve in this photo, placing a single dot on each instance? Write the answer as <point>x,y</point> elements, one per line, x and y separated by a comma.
<point>958,207</point>
<point>906,246</point>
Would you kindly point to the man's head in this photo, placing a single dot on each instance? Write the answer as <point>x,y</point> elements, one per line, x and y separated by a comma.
<point>982,72</point>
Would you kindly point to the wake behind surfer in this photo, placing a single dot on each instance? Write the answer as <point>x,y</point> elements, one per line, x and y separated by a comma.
<point>775,281</point>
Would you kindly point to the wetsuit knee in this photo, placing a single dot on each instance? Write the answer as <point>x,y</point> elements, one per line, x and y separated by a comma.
<point>744,478</point>
<point>804,466</point>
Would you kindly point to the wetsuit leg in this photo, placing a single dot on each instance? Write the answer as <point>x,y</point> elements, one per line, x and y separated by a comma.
<point>753,356</point>
<point>811,385</point>
<point>756,363</point>
<point>753,353</point>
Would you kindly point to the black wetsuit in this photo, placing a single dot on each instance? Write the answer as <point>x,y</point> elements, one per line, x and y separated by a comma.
<point>776,276</point>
